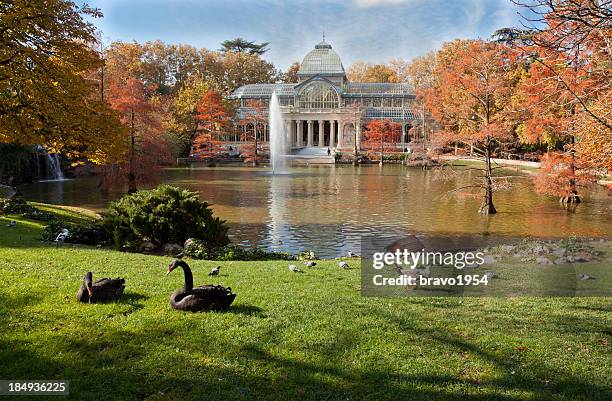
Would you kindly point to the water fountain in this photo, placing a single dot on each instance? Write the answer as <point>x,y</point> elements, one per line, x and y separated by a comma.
<point>278,137</point>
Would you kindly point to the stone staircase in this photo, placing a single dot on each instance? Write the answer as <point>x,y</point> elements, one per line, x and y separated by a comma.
<point>311,155</point>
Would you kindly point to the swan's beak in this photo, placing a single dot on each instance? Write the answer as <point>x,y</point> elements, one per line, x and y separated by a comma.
<point>90,291</point>
<point>169,270</point>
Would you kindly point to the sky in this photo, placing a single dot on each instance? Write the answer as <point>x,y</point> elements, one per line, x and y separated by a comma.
<point>367,30</point>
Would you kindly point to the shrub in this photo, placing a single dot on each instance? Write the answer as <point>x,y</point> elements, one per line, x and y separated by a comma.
<point>162,215</point>
<point>237,253</point>
<point>87,234</point>
<point>18,206</point>
<point>197,250</point>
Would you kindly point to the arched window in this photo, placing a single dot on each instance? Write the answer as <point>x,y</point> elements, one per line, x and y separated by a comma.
<point>318,95</point>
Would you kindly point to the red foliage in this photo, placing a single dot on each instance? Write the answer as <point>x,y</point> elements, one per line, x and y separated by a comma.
<point>213,119</point>
<point>379,132</point>
<point>473,83</point>
<point>472,90</point>
<point>147,147</point>
<point>560,174</point>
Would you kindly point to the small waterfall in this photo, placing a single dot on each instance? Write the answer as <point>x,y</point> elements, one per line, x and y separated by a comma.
<point>278,136</point>
<point>54,168</point>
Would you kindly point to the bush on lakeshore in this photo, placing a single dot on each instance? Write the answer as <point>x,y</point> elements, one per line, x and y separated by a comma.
<point>163,215</point>
<point>197,249</point>
<point>86,234</point>
<point>18,206</point>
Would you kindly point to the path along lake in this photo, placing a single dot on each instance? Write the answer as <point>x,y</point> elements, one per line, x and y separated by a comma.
<point>329,209</point>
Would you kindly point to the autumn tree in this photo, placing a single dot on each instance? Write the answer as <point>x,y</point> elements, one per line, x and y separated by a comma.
<point>147,147</point>
<point>380,131</point>
<point>181,119</point>
<point>400,68</point>
<point>46,53</point>
<point>549,113</point>
<point>368,72</point>
<point>213,120</point>
<point>561,173</point>
<point>473,84</point>
<point>240,69</point>
<point>565,98</point>
<point>255,114</point>
<point>581,30</point>
<point>290,76</point>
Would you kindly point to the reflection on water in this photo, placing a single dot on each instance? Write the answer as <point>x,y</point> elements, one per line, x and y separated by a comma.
<point>328,209</point>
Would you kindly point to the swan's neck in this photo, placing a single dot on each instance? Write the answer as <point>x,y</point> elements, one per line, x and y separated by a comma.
<point>188,278</point>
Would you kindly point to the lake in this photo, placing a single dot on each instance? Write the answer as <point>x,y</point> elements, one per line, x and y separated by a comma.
<point>330,208</point>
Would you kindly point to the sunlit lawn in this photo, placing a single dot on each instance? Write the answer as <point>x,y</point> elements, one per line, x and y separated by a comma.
<point>288,336</point>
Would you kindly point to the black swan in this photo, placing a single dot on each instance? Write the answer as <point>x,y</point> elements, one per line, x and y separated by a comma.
<point>105,289</point>
<point>204,298</point>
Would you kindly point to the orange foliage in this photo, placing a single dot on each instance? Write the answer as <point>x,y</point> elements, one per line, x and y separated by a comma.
<point>213,119</point>
<point>380,131</point>
<point>473,83</point>
<point>560,174</point>
<point>147,147</point>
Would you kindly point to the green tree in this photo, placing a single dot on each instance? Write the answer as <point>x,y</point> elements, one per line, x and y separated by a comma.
<point>181,121</point>
<point>240,45</point>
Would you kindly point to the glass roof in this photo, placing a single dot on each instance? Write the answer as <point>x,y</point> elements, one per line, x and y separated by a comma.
<point>322,60</point>
<point>263,90</point>
<point>392,113</point>
<point>395,114</point>
<point>377,88</point>
<point>350,89</point>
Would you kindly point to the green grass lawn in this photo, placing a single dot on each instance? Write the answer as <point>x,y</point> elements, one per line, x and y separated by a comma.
<point>288,336</point>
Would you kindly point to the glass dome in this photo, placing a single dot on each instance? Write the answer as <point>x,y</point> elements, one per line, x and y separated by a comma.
<point>322,60</point>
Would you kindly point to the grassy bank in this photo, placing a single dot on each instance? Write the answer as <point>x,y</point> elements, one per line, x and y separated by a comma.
<point>480,163</point>
<point>288,336</point>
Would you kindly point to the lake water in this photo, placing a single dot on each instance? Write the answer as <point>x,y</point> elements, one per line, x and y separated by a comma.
<point>329,209</point>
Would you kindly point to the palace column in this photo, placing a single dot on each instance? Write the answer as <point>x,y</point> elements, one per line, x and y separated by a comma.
<point>298,132</point>
<point>339,134</point>
<point>332,133</point>
<point>310,122</point>
<point>403,136</point>
<point>288,133</point>
<point>358,135</point>
<point>321,132</point>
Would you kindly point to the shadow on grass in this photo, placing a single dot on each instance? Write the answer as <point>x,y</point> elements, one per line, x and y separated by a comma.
<point>172,360</point>
<point>249,310</point>
<point>532,377</point>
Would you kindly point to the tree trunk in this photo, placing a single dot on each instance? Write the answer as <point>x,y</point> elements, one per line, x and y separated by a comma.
<point>572,197</point>
<point>132,174</point>
<point>488,207</point>
<point>382,150</point>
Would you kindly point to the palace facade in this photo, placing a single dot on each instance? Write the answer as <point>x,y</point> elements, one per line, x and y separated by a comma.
<point>325,109</point>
